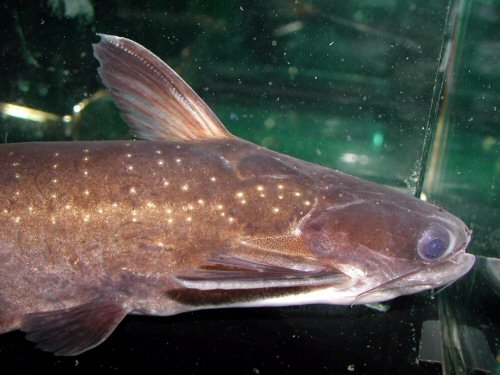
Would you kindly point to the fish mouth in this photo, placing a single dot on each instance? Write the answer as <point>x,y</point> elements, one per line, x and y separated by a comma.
<point>420,279</point>
<point>455,267</point>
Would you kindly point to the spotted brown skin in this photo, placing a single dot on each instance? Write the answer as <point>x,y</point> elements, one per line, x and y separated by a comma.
<point>147,206</point>
<point>195,218</point>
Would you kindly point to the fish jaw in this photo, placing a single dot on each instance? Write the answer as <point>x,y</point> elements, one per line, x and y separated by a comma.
<point>433,277</point>
<point>418,281</point>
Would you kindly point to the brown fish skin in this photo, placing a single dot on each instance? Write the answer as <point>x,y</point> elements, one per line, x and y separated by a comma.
<point>196,218</point>
<point>93,213</point>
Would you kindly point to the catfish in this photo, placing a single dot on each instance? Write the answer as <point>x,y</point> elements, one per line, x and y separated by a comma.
<point>193,217</point>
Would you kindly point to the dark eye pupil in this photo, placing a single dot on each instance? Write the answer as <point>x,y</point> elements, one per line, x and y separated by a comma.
<point>435,248</point>
<point>434,242</point>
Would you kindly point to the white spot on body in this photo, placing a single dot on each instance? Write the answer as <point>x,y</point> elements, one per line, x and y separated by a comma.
<point>132,190</point>
<point>185,187</point>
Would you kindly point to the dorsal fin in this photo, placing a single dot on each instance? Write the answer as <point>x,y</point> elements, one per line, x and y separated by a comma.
<point>155,102</point>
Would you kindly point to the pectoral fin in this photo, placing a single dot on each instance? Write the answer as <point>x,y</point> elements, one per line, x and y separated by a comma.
<point>232,272</point>
<point>75,330</point>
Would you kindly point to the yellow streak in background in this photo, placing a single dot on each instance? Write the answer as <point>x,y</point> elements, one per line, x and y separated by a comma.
<point>26,113</point>
<point>35,115</point>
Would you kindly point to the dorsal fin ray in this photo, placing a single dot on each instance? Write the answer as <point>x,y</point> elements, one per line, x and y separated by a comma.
<point>155,102</point>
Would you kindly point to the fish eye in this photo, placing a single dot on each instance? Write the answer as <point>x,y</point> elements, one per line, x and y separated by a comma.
<point>434,242</point>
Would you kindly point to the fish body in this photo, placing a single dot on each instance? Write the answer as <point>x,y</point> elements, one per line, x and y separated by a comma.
<point>193,218</point>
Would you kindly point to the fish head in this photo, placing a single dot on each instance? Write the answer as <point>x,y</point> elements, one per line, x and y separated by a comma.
<point>389,244</point>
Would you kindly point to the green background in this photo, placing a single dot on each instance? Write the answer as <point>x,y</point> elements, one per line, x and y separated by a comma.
<point>399,92</point>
